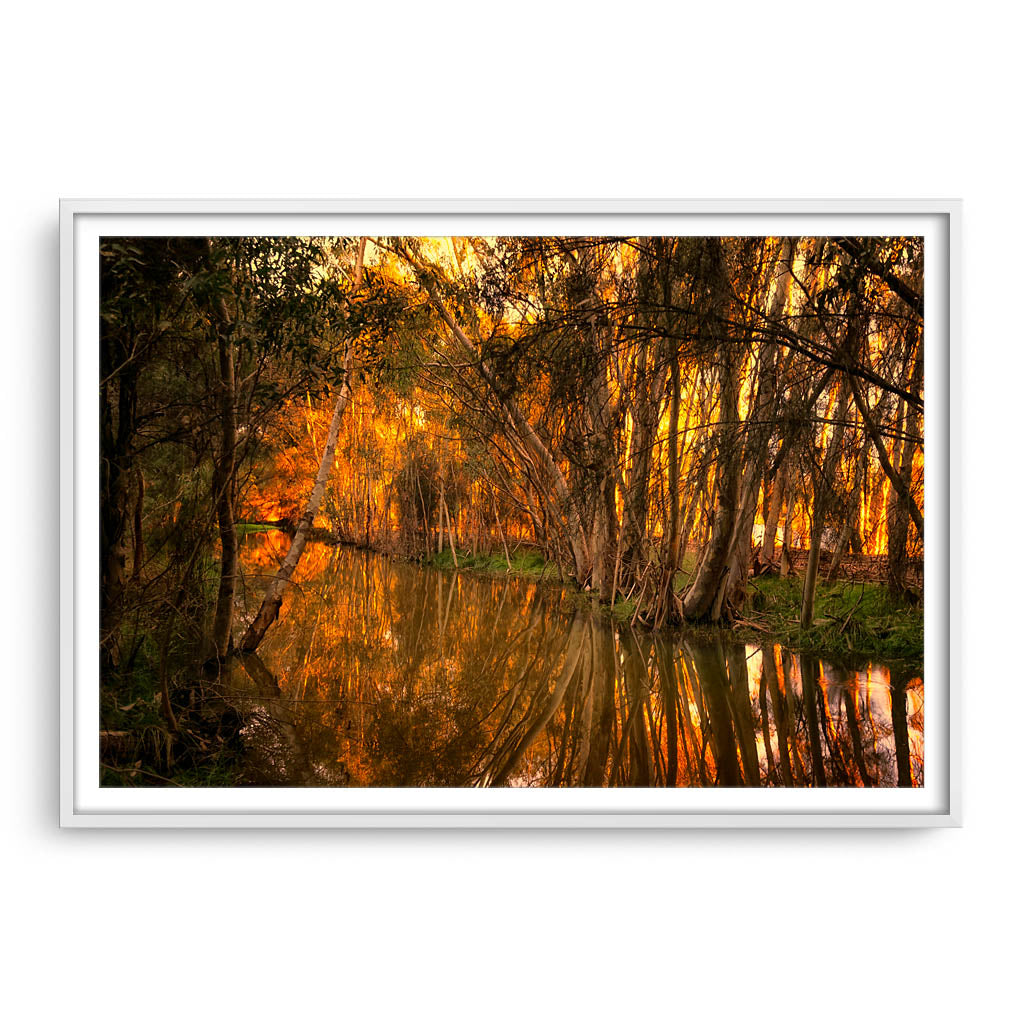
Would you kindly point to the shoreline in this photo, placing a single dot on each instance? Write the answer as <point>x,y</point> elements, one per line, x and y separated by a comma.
<point>855,621</point>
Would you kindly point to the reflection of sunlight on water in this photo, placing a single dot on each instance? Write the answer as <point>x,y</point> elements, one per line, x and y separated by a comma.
<point>753,657</point>
<point>389,674</point>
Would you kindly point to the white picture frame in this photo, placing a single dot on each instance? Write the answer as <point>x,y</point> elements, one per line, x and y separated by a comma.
<point>83,803</point>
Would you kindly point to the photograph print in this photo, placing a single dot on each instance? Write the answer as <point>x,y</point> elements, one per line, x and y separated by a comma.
<point>522,511</point>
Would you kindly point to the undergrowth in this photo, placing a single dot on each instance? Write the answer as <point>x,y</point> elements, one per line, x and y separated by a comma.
<point>849,618</point>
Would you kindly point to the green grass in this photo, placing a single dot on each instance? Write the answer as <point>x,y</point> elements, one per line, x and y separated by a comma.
<point>849,618</point>
<point>528,563</point>
<point>685,572</point>
<point>244,528</point>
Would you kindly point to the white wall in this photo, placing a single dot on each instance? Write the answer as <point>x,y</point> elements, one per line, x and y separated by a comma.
<point>529,99</point>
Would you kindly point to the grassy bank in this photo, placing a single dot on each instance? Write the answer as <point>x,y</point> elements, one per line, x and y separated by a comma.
<point>530,564</point>
<point>850,619</point>
<point>246,528</point>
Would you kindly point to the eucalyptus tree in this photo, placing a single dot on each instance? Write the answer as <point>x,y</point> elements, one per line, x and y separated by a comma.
<point>630,396</point>
<point>203,341</point>
<point>274,308</point>
<point>483,359</point>
<point>274,595</point>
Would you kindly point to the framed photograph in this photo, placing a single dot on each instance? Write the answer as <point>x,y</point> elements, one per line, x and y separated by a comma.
<point>509,513</point>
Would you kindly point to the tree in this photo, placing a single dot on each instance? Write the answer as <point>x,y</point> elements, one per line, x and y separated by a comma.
<point>271,605</point>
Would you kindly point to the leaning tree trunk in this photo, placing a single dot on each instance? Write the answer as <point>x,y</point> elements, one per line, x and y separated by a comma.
<point>522,428</point>
<point>874,432</point>
<point>271,606</point>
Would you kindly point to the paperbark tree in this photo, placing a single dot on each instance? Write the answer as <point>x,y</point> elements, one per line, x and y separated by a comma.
<point>824,500</point>
<point>701,594</point>
<point>901,499</point>
<point>515,420</point>
<point>271,606</point>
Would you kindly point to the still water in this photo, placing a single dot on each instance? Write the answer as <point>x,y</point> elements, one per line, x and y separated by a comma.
<point>382,673</point>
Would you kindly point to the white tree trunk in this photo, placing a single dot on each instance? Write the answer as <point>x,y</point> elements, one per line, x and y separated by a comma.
<point>275,592</point>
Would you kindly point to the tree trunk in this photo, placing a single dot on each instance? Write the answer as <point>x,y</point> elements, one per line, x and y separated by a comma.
<point>271,605</point>
<point>668,604</point>
<point>824,502</point>
<point>758,429</point>
<point>139,546</point>
<point>451,534</point>
<point>700,600</point>
<point>501,532</point>
<point>602,444</point>
<point>898,510</point>
<point>774,511</point>
<point>700,597</point>
<point>672,556</point>
<point>823,486</point>
<point>637,490</point>
<point>898,483</point>
<point>117,426</point>
<point>521,426</point>
<point>224,481</point>
<point>810,576</point>
<point>440,519</point>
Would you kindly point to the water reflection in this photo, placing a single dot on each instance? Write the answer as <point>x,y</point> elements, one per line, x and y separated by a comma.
<point>381,673</point>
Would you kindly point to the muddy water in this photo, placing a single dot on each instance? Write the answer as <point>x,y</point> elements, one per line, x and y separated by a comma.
<point>382,673</point>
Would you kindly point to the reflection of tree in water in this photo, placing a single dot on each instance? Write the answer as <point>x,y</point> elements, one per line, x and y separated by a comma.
<point>384,674</point>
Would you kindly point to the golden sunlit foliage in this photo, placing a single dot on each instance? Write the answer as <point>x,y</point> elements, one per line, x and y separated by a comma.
<point>444,429</point>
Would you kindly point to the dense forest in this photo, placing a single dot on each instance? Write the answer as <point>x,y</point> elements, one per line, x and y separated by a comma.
<point>670,426</point>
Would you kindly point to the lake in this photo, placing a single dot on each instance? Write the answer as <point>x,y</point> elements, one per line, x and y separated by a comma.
<point>384,673</point>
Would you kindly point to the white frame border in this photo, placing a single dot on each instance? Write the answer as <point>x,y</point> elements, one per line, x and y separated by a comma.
<point>946,617</point>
